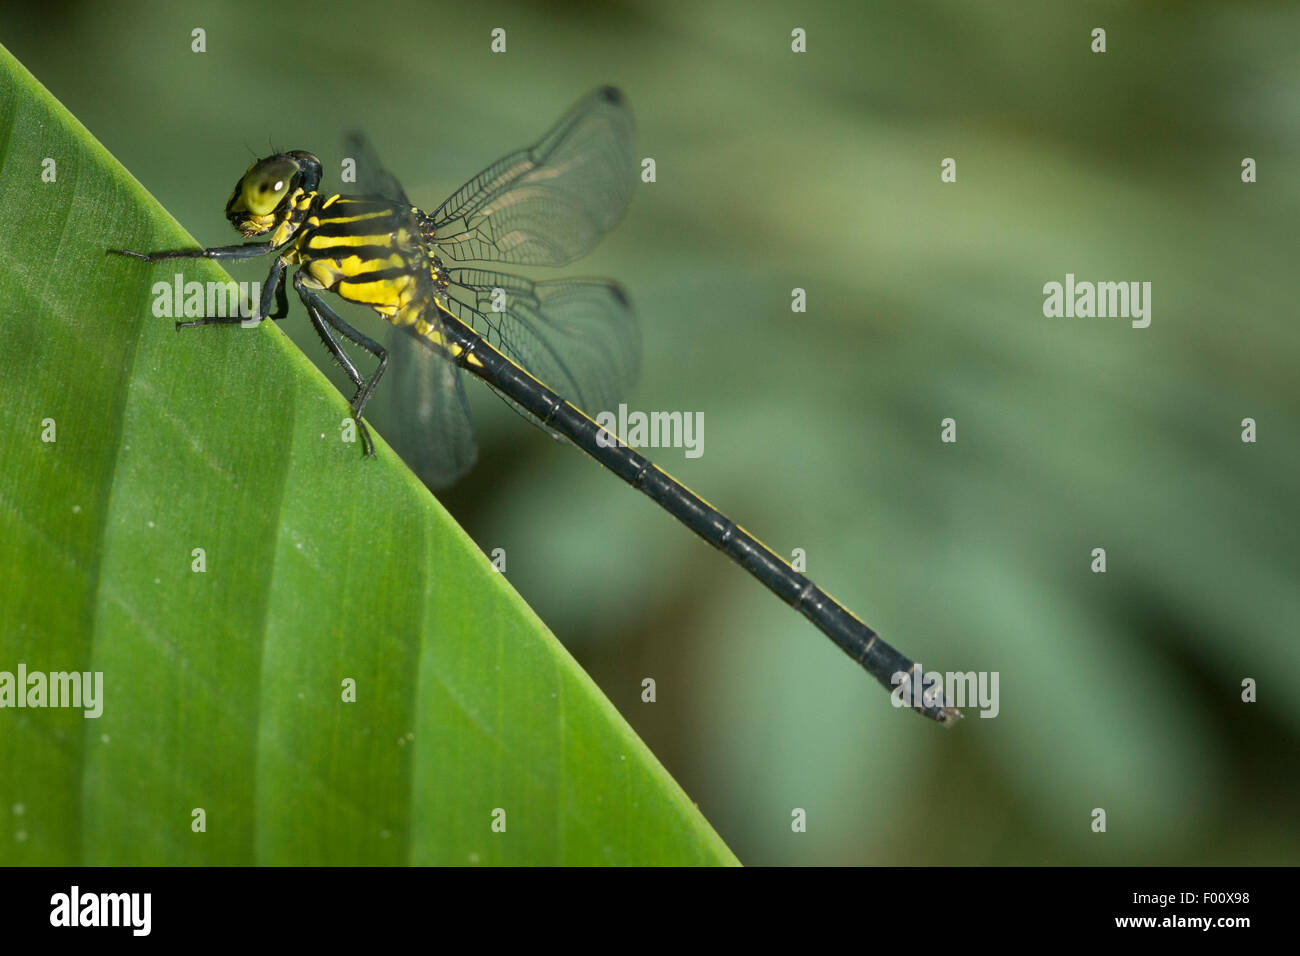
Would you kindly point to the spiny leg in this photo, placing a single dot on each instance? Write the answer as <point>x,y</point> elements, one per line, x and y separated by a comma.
<point>323,319</point>
<point>274,289</point>
<point>274,304</point>
<point>247,250</point>
<point>367,343</point>
<point>273,292</point>
<point>323,330</point>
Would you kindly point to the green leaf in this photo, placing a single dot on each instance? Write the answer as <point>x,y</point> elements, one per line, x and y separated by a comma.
<point>223,688</point>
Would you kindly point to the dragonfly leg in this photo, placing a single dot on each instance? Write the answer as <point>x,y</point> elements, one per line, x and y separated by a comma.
<point>326,322</point>
<point>273,290</point>
<point>272,294</point>
<point>367,343</point>
<point>247,250</point>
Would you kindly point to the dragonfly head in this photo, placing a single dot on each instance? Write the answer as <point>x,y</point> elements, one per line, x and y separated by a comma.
<point>266,191</point>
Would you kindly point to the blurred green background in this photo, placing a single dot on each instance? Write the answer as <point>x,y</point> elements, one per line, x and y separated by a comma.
<point>820,171</point>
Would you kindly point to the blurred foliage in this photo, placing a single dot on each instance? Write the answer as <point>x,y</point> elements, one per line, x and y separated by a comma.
<point>821,171</point>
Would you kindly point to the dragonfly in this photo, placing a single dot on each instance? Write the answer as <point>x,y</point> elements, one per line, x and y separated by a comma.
<point>557,350</point>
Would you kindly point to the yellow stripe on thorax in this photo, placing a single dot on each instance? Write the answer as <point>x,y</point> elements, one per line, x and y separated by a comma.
<point>359,217</point>
<point>385,296</point>
<point>367,239</point>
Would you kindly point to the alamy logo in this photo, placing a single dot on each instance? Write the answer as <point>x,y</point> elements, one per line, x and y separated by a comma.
<point>102,909</point>
<point>55,689</point>
<point>179,299</point>
<point>917,688</point>
<point>652,430</point>
<point>1099,300</point>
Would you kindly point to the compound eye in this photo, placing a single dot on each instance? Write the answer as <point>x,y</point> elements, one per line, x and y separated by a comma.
<point>266,184</point>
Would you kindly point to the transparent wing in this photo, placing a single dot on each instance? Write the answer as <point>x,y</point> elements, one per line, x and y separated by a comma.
<point>550,203</point>
<point>422,404</point>
<point>427,412</point>
<point>372,178</point>
<point>577,336</point>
